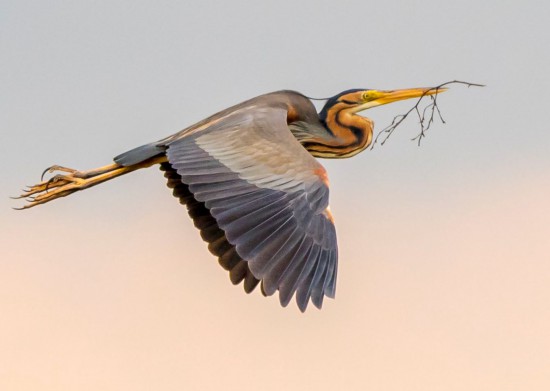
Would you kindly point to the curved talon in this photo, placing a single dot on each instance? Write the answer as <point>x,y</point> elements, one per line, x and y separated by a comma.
<point>56,167</point>
<point>44,173</point>
<point>47,170</point>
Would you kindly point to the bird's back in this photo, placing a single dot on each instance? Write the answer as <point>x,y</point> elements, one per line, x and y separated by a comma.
<point>298,107</point>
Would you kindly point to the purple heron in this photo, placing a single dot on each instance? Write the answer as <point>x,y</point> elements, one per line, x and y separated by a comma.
<point>251,183</point>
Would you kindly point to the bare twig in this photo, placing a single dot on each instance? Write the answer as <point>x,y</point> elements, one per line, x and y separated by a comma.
<point>425,115</point>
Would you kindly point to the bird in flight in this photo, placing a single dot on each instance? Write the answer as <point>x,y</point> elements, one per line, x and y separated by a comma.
<point>250,181</point>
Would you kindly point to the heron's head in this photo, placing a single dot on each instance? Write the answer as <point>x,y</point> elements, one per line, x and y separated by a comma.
<point>350,133</point>
<point>356,100</point>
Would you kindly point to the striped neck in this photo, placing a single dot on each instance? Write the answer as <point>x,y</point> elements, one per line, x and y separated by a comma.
<point>347,133</point>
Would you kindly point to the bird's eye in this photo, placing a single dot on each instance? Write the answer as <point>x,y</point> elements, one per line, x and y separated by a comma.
<point>366,96</point>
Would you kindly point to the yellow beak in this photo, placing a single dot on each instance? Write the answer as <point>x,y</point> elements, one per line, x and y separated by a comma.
<point>378,98</point>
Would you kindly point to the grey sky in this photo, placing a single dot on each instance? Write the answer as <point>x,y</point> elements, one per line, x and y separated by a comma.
<point>113,76</point>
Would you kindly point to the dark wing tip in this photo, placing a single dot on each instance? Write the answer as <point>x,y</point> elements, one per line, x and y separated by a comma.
<point>218,244</point>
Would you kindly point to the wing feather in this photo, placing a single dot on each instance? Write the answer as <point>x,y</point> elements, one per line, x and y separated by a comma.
<point>297,275</point>
<point>274,271</point>
<point>304,291</point>
<point>260,203</point>
<point>225,251</point>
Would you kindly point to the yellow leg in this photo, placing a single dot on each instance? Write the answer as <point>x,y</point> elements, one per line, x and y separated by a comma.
<point>63,185</point>
<point>80,174</point>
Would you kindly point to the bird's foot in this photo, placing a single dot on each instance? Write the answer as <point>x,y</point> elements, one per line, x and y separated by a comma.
<point>62,185</point>
<point>57,186</point>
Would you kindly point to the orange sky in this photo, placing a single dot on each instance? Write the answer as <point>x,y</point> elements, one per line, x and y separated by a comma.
<point>452,296</point>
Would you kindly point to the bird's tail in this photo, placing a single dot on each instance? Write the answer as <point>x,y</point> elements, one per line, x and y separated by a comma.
<point>62,185</point>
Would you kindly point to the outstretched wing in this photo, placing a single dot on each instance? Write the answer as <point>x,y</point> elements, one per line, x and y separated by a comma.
<point>268,195</point>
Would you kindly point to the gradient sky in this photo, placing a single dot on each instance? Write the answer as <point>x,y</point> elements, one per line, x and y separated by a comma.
<point>444,274</point>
